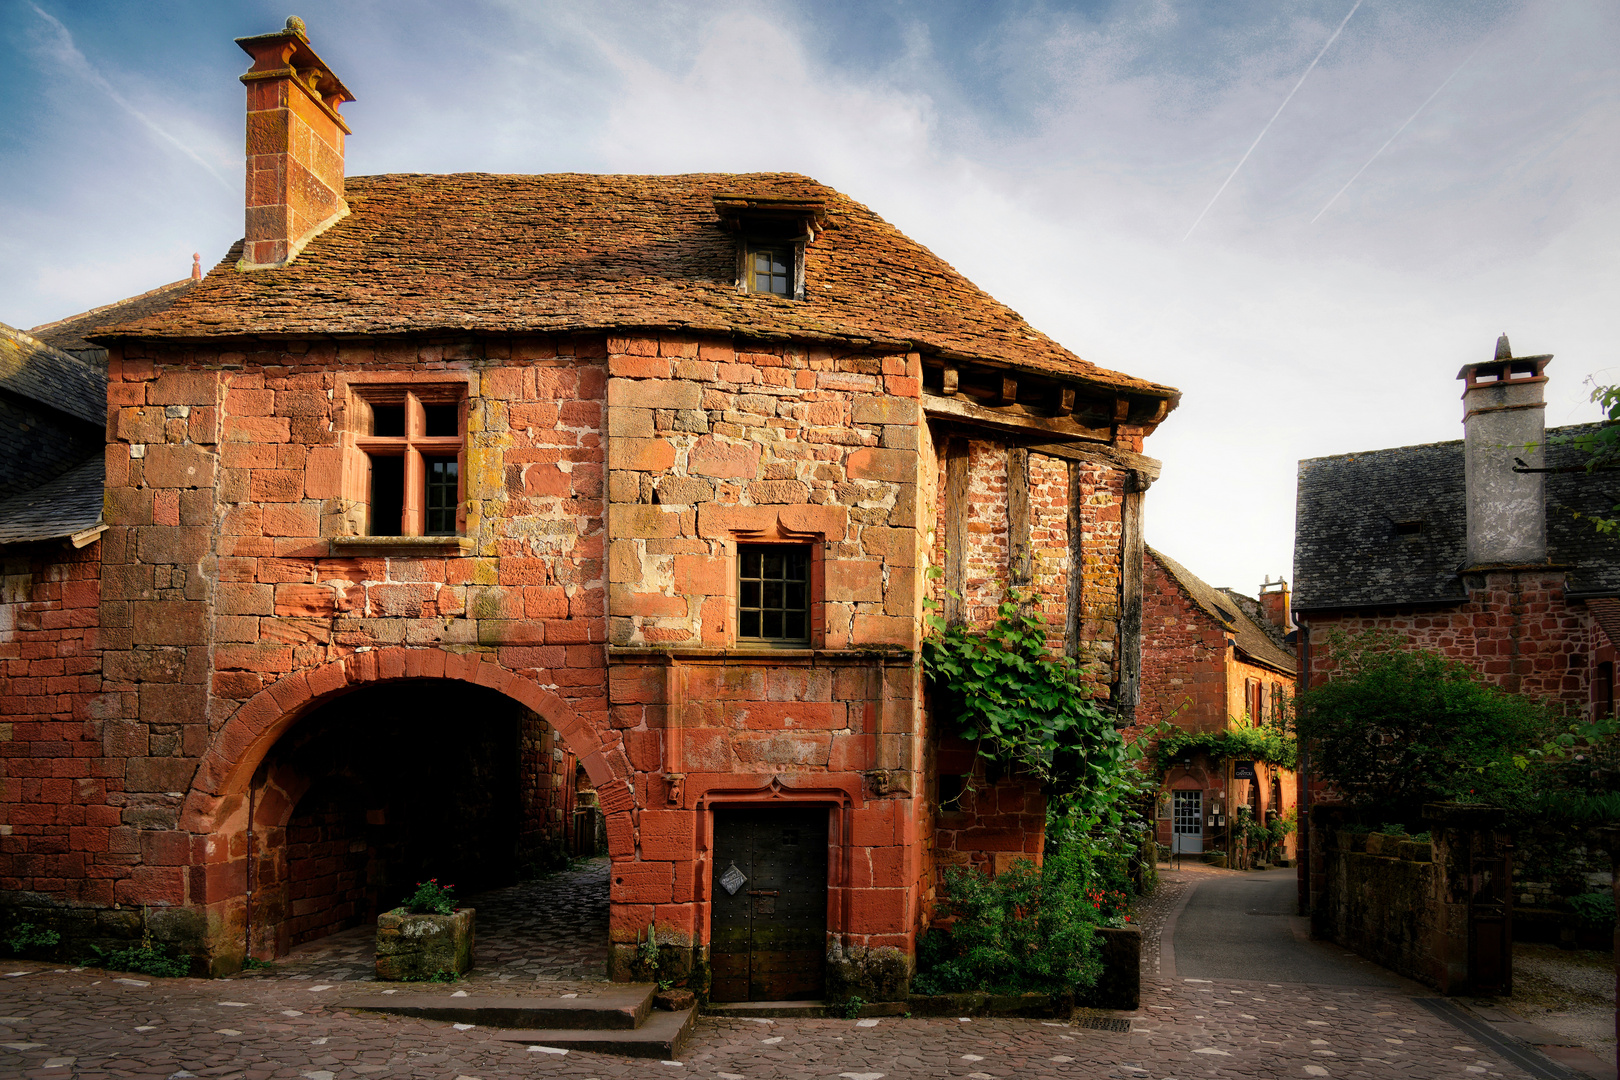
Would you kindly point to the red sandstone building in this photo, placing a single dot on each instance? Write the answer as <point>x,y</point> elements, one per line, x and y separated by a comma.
<point>1482,549</point>
<point>440,489</point>
<point>1213,659</point>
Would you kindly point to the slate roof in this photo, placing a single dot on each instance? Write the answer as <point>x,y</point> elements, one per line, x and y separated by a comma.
<point>1251,639</point>
<point>59,509</point>
<point>1347,552</point>
<point>573,252</point>
<point>69,334</point>
<point>34,370</point>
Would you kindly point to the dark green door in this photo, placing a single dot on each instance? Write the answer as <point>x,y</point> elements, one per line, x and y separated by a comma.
<point>769,921</point>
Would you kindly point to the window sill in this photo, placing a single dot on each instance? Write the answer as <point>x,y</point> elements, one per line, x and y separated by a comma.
<point>772,655</point>
<point>402,545</point>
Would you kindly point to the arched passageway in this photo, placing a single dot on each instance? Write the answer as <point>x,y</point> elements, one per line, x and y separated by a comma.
<point>377,789</point>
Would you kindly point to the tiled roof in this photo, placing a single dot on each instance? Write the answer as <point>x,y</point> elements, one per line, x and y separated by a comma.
<point>1347,552</point>
<point>64,507</point>
<point>1250,637</point>
<point>36,371</point>
<point>567,252</point>
<point>69,334</point>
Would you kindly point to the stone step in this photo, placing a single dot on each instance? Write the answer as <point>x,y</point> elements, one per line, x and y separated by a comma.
<point>624,1008</point>
<point>663,1036</point>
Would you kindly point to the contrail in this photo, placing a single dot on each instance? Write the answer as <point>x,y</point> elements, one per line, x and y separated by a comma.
<point>1392,138</point>
<point>1274,116</point>
<point>68,54</point>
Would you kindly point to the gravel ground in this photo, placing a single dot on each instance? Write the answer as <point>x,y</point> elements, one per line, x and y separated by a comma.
<point>1568,991</point>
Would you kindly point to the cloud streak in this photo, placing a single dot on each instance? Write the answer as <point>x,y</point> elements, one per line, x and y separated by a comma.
<point>1273,120</point>
<point>1393,137</point>
<point>66,53</point>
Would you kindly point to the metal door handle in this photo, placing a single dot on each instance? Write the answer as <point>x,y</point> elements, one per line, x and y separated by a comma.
<point>764,892</point>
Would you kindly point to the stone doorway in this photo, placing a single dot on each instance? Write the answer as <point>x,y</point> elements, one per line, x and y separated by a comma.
<point>378,789</point>
<point>769,918</point>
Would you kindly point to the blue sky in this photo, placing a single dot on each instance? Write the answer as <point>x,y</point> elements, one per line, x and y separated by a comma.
<point>1058,154</point>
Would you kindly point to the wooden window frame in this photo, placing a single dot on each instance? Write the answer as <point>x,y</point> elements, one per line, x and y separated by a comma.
<point>794,250</point>
<point>812,579</point>
<point>414,445</point>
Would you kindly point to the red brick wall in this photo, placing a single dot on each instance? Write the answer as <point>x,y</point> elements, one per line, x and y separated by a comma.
<point>1517,631</point>
<point>56,824</point>
<point>1050,555</point>
<point>1184,656</point>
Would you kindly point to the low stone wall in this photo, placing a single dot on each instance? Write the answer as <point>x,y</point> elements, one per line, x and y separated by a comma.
<point>1381,900</point>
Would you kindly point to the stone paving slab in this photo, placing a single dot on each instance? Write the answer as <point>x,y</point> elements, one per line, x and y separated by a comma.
<point>257,1029</point>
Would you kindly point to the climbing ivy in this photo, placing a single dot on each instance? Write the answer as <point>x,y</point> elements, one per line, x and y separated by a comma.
<point>1271,745</point>
<point>1025,707</point>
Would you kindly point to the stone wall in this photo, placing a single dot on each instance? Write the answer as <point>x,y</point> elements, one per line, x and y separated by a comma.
<point>54,786</point>
<point>1383,905</point>
<point>1184,654</point>
<point>1516,630</point>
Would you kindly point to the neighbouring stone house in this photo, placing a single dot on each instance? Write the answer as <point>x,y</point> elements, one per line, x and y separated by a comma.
<point>1213,659</point>
<point>1481,549</point>
<point>441,488</point>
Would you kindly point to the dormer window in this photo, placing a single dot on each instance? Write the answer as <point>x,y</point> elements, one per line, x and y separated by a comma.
<point>770,269</point>
<point>772,233</point>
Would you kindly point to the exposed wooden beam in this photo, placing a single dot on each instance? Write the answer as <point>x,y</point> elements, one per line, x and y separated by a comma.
<point>1063,401</point>
<point>1018,523</point>
<point>1145,467</point>
<point>1009,389</point>
<point>956,531</point>
<point>1012,418</point>
<point>952,380</point>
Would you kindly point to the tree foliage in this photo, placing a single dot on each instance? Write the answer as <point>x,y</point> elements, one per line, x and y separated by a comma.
<point>1601,448</point>
<point>1395,727</point>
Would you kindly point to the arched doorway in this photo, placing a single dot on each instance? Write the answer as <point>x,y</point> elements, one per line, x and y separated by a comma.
<point>393,784</point>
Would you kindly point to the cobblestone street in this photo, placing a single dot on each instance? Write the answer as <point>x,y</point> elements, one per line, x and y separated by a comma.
<point>288,1022</point>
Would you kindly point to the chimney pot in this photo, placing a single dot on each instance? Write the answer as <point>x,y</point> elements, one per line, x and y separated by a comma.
<point>294,146</point>
<point>1503,419</point>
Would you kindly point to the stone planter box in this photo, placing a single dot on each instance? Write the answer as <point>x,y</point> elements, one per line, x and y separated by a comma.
<point>417,947</point>
<point>1352,841</point>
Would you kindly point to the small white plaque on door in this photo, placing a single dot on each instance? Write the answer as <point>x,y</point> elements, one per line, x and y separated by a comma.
<point>733,879</point>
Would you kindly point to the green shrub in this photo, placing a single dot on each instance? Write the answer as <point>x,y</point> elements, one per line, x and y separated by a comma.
<point>27,936</point>
<point>1390,829</point>
<point>1594,908</point>
<point>1423,837</point>
<point>852,1008</point>
<point>1026,930</point>
<point>1394,728</point>
<point>431,898</point>
<point>146,958</point>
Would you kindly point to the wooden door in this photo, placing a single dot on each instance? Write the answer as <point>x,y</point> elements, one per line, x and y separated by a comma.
<point>769,918</point>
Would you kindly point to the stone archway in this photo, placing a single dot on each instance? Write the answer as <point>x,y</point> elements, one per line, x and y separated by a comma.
<point>216,809</point>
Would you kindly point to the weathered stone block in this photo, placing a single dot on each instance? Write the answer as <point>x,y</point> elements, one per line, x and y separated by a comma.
<point>654,394</point>
<point>415,947</point>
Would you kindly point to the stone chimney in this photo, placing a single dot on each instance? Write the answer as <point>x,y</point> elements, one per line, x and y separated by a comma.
<point>1274,604</point>
<point>294,146</point>
<point>1502,421</point>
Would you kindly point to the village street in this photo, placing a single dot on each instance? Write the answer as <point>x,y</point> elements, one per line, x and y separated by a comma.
<point>1234,989</point>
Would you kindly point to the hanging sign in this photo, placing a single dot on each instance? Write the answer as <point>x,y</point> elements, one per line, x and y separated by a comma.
<point>1243,770</point>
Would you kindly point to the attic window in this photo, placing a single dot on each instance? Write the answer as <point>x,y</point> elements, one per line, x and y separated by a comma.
<point>772,233</point>
<point>1408,528</point>
<point>770,269</point>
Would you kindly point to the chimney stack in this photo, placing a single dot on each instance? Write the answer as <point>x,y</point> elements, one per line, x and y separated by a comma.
<point>294,146</point>
<point>1274,603</point>
<point>1503,416</point>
